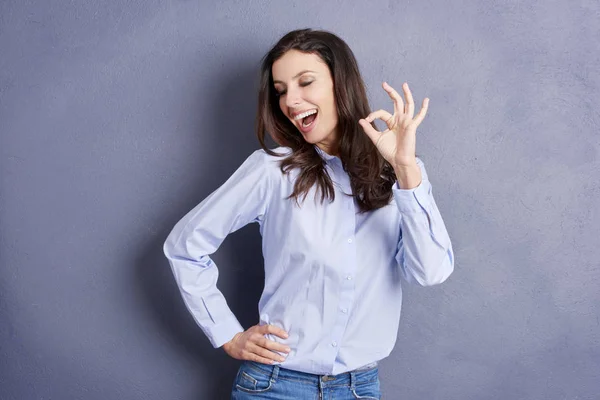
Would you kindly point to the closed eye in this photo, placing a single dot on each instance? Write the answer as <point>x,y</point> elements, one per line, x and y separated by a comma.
<point>283,92</point>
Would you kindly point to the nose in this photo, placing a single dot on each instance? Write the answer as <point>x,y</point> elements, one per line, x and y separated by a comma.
<point>292,98</point>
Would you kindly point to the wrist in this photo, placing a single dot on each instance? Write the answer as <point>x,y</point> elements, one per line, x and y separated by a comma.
<point>409,176</point>
<point>227,345</point>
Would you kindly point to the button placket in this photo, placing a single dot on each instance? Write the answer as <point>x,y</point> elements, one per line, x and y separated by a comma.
<point>347,262</point>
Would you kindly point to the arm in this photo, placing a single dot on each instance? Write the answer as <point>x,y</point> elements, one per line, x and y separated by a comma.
<point>424,249</point>
<point>242,199</point>
<point>425,253</point>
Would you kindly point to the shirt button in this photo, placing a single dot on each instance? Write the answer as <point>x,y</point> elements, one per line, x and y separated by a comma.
<point>349,240</point>
<point>334,344</point>
<point>344,310</point>
<point>349,277</point>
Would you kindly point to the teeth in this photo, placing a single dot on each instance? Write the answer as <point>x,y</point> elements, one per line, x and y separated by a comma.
<point>305,114</point>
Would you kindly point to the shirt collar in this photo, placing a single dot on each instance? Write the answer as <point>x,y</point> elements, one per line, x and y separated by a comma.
<point>323,154</point>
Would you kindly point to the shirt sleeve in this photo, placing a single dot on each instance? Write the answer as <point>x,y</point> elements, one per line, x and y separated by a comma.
<point>424,252</point>
<point>242,199</point>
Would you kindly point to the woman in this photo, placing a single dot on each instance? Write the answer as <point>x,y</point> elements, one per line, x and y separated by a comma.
<point>344,211</point>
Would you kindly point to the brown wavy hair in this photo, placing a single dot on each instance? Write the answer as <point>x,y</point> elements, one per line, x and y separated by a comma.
<point>371,177</point>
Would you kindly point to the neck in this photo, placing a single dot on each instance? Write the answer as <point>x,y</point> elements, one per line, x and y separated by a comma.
<point>329,149</point>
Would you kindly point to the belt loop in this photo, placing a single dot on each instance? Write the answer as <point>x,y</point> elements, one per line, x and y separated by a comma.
<point>275,374</point>
<point>352,380</point>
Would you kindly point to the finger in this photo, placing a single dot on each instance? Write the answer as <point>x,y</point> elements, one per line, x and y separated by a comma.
<point>382,115</point>
<point>271,345</point>
<point>256,358</point>
<point>398,102</point>
<point>265,353</point>
<point>274,330</point>
<point>410,104</point>
<point>422,112</point>
<point>371,132</point>
<point>262,341</point>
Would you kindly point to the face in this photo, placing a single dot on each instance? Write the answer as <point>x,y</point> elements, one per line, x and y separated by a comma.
<point>305,91</point>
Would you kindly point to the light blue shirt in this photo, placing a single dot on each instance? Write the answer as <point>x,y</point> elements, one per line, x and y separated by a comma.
<point>332,275</point>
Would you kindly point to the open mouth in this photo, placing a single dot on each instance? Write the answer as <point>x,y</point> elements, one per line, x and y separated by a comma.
<point>307,120</point>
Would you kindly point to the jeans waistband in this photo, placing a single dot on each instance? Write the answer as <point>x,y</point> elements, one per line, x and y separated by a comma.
<point>365,373</point>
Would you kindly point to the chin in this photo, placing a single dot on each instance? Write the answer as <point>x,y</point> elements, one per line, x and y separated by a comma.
<point>312,138</point>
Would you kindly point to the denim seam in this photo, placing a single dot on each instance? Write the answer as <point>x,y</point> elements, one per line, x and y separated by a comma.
<point>358,382</point>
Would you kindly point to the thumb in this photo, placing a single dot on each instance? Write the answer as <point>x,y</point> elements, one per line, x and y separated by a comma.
<point>371,132</point>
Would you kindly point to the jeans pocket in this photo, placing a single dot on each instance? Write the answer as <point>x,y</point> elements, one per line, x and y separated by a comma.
<point>253,380</point>
<point>367,391</point>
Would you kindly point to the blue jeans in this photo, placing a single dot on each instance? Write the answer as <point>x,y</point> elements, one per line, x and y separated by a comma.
<point>261,381</point>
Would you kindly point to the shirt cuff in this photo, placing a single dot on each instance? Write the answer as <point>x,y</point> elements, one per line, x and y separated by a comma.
<point>413,200</point>
<point>223,332</point>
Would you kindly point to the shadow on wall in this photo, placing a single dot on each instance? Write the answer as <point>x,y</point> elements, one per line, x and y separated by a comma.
<point>241,273</point>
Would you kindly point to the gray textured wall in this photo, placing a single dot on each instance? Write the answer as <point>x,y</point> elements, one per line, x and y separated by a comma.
<point>116,119</point>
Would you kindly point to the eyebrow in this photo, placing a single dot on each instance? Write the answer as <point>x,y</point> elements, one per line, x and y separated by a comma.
<point>297,75</point>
